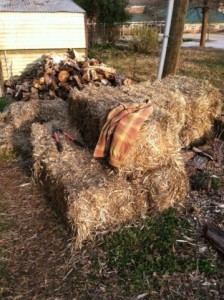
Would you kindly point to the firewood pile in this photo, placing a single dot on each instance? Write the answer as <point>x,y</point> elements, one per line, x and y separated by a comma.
<point>57,75</point>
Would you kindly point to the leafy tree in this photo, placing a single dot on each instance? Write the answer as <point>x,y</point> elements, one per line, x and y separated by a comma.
<point>111,13</point>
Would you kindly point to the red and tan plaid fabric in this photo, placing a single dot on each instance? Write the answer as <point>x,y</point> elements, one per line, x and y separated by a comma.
<point>120,130</point>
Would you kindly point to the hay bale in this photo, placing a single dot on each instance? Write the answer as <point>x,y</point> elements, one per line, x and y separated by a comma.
<point>89,108</point>
<point>202,104</point>
<point>156,142</point>
<point>20,115</point>
<point>6,141</point>
<point>89,195</point>
<point>165,186</point>
<point>154,146</point>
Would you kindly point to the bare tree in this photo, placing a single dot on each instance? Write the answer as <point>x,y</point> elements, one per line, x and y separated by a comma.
<point>175,38</point>
<point>205,6</point>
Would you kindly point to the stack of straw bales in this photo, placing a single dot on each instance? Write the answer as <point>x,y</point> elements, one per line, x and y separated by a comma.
<point>184,112</point>
<point>89,193</point>
<point>153,164</point>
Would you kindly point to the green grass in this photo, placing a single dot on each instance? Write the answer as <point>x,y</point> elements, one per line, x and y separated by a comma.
<point>142,256</point>
<point>198,63</point>
<point>3,104</point>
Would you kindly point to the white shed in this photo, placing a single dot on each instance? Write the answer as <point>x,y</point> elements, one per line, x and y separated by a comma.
<point>31,28</point>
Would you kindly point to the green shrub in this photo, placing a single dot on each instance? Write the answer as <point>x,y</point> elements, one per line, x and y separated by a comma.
<point>144,39</point>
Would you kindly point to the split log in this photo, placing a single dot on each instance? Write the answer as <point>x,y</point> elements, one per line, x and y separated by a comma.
<point>215,235</point>
<point>63,76</point>
<point>78,82</point>
<point>94,75</point>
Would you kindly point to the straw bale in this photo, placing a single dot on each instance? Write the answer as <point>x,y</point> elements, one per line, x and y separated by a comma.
<point>154,146</point>
<point>165,186</point>
<point>21,113</point>
<point>203,106</point>
<point>196,117</point>
<point>89,195</point>
<point>89,108</point>
<point>6,141</point>
<point>156,141</point>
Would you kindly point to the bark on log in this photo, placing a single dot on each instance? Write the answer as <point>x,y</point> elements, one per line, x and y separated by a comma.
<point>215,235</point>
<point>175,39</point>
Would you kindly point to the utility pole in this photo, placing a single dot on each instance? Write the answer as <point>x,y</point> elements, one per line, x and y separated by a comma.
<point>175,38</point>
<point>165,38</point>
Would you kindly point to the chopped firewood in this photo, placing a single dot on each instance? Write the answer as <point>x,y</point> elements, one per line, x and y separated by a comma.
<point>54,85</point>
<point>65,85</point>
<point>78,82</point>
<point>74,64</point>
<point>94,75</point>
<point>41,80</point>
<point>55,70</point>
<point>47,79</point>
<point>25,87</point>
<point>94,62</point>
<point>9,83</point>
<point>27,96</point>
<point>85,64</point>
<point>63,76</point>
<point>71,53</point>
<point>43,88</point>
<point>19,93</point>
<point>36,84</point>
<point>106,71</point>
<point>104,81</point>
<point>10,91</point>
<point>86,76</point>
<point>33,90</point>
<point>215,235</point>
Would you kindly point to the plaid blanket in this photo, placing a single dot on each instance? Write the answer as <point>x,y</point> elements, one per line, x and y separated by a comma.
<point>120,130</point>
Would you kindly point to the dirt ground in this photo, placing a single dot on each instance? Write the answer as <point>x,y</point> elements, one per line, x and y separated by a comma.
<point>36,261</point>
<point>34,244</point>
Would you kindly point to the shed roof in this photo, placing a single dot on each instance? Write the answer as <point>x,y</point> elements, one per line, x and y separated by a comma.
<point>40,6</point>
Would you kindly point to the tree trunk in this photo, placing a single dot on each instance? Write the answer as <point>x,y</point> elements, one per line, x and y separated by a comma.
<point>175,39</point>
<point>205,16</point>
